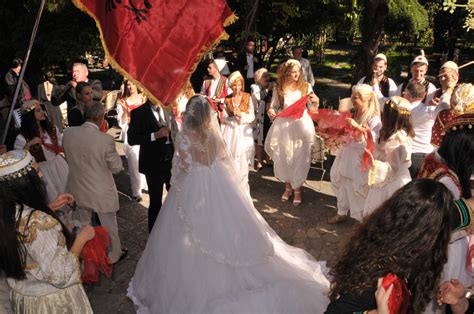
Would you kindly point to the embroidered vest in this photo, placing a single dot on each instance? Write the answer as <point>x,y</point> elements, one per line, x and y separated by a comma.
<point>384,84</point>
<point>244,103</point>
<point>434,169</point>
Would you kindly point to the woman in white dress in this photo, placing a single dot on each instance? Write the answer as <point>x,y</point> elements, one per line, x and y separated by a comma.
<point>238,135</point>
<point>131,100</point>
<point>39,136</point>
<point>261,93</point>
<point>392,156</point>
<point>210,250</point>
<point>349,181</point>
<point>289,140</point>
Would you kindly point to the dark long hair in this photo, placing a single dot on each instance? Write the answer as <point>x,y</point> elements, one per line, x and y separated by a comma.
<point>29,126</point>
<point>407,235</point>
<point>392,121</point>
<point>457,150</point>
<point>27,190</point>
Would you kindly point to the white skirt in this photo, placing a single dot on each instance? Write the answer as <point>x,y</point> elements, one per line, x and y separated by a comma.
<point>289,143</point>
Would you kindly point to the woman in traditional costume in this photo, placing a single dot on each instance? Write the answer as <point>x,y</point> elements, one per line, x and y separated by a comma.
<point>237,133</point>
<point>37,254</point>
<point>391,161</point>
<point>44,141</point>
<point>452,164</point>
<point>348,176</point>
<point>131,100</point>
<point>291,137</point>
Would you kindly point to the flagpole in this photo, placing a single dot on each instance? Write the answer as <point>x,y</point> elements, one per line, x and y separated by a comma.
<point>22,72</point>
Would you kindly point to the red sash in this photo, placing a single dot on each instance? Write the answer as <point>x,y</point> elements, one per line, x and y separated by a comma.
<point>296,110</point>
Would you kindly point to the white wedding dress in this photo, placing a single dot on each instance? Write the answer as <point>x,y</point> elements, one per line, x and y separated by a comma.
<point>210,250</point>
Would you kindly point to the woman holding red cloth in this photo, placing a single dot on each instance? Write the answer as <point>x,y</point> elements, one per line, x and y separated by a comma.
<point>349,181</point>
<point>290,139</point>
<point>39,136</point>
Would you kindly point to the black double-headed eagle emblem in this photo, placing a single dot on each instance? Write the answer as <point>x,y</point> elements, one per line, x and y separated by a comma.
<point>140,11</point>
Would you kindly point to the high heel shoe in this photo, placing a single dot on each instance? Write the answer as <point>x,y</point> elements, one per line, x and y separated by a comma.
<point>297,202</point>
<point>286,195</point>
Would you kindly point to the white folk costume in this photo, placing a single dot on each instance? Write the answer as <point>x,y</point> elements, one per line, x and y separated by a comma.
<point>349,182</point>
<point>49,158</point>
<point>391,162</point>
<point>217,90</point>
<point>137,180</point>
<point>53,279</point>
<point>289,140</point>
<point>429,87</point>
<point>238,134</point>
<point>211,251</point>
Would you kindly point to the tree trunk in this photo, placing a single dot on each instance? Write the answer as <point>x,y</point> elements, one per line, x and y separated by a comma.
<point>374,14</point>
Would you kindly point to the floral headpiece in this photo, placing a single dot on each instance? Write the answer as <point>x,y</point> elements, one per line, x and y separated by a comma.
<point>292,63</point>
<point>362,88</point>
<point>15,164</point>
<point>463,99</point>
<point>399,104</point>
<point>233,77</point>
<point>29,105</point>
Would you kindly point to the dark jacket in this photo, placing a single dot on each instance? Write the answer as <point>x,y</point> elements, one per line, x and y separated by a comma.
<point>155,157</point>
<point>11,79</point>
<point>54,113</point>
<point>242,63</point>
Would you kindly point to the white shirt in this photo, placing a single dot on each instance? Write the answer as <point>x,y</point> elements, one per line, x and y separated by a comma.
<point>250,65</point>
<point>423,118</point>
<point>429,94</point>
<point>157,112</point>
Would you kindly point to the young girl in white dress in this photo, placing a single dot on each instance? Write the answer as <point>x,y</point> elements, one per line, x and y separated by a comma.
<point>44,141</point>
<point>392,156</point>
<point>238,134</point>
<point>210,250</point>
<point>348,180</point>
<point>289,140</point>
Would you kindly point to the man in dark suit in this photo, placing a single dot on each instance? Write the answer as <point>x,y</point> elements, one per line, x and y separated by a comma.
<point>150,128</point>
<point>45,92</point>
<point>67,92</point>
<point>11,80</point>
<point>248,62</point>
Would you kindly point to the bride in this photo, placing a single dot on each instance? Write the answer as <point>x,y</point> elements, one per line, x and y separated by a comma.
<point>210,250</point>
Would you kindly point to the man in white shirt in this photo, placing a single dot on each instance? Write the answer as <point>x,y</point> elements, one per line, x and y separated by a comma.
<point>422,117</point>
<point>305,64</point>
<point>418,69</point>
<point>383,86</point>
<point>248,62</point>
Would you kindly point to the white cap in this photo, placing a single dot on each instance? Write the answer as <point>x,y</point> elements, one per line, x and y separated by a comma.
<point>420,59</point>
<point>234,76</point>
<point>450,65</point>
<point>381,56</point>
<point>220,64</point>
<point>15,164</point>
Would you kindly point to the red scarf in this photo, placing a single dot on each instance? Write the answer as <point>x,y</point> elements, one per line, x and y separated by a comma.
<point>296,110</point>
<point>94,257</point>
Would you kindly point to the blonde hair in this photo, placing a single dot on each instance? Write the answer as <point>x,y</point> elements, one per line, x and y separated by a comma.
<point>369,97</point>
<point>258,74</point>
<point>284,79</point>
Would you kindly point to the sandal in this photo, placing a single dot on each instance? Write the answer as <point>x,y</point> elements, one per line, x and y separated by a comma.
<point>297,202</point>
<point>286,195</point>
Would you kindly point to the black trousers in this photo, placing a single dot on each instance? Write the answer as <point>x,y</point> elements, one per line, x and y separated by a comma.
<point>416,162</point>
<point>155,190</point>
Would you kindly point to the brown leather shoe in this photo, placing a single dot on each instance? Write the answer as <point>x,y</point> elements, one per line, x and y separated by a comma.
<point>337,219</point>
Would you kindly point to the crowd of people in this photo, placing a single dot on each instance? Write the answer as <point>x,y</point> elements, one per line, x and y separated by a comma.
<point>403,169</point>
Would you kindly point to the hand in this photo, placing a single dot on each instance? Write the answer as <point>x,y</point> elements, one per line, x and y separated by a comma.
<point>87,233</point>
<point>351,122</point>
<point>271,114</point>
<point>314,99</point>
<point>435,101</point>
<point>73,84</point>
<point>382,296</point>
<point>255,59</point>
<point>313,110</point>
<point>163,132</point>
<point>374,81</point>
<point>246,67</point>
<point>3,149</point>
<point>34,141</point>
<point>451,292</point>
<point>60,201</point>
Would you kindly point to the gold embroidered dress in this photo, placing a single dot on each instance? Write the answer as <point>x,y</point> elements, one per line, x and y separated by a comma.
<point>53,279</point>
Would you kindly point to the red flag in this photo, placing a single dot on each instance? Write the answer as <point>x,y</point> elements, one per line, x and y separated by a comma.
<point>296,110</point>
<point>157,44</point>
